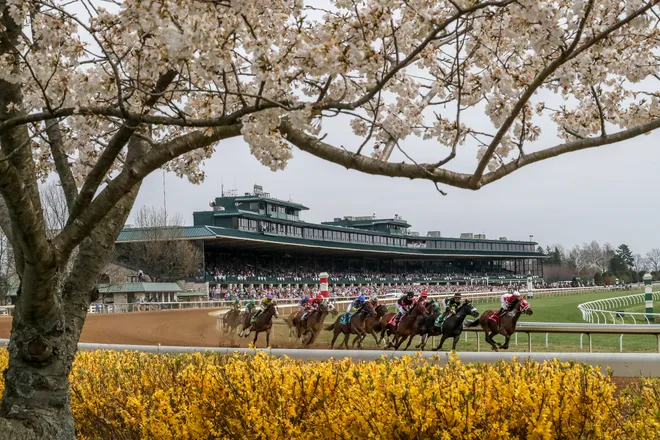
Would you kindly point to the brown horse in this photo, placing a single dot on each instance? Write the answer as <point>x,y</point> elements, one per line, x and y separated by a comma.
<point>309,329</point>
<point>371,323</point>
<point>263,323</point>
<point>293,321</point>
<point>408,326</point>
<point>506,327</point>
<point>230,321</point>
<point>354,327</point>
<point>382,328</point>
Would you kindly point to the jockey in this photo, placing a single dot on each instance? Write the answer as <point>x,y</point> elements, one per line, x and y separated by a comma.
<point>403,305</point>
<point>250,306</point>
<point>304,303</point>
<point>236,304</point>
<point>355,305</point>
<point>423,298</point>
<point>312,305</point>
<point>374,300</point>
<point>508,302</point>
<point>266,302</point>
<point>451,303</point>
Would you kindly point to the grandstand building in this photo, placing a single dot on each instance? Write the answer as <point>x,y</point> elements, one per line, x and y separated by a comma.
<point>256,239</point>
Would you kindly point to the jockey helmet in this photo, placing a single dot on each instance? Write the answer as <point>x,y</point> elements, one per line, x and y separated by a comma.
<point>269,296</point>
<point>516,294</point>
<point>361,298</point>
<point>374,298</point>
<point>410,294</point>
<point>319,296</point>
<point>457,295</point>
<point>424,294</point>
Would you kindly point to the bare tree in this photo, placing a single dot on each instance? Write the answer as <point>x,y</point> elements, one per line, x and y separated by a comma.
<point>579,258</point>
<point>105,97</point>
<point>640,263</point>
<point>56,212</point>
<point>158,255</point>
<point>653,258</point>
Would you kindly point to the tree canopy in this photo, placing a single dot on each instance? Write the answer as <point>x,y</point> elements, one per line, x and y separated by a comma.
<point>102,93</point>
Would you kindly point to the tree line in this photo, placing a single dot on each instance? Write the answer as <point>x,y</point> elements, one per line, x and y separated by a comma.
<point>601,264</point>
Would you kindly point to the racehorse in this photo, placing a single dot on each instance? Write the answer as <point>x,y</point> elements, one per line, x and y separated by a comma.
<point>263,323</point>
<point>309,329</point>
<point>231,320</point>
<point>452,326</point>
<point>382,328</point>
<point>354,327</point>
<point>371,323</point>
<point>293,320</point>
<point>408,326</point>
<point>245,320</point>
<point>506,327</point>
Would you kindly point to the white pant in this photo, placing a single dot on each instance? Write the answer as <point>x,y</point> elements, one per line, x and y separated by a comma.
<point>400,308</point>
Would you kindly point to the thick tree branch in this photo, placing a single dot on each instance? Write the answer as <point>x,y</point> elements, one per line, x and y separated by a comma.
<point>77,230</point>
<point>116,144</point>
<point>528,93</point>
<point>568,147</point>
<point>368,165</point>
<point>61,163</point>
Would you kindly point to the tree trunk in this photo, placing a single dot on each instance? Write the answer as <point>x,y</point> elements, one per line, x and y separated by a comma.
<point>36,402</point>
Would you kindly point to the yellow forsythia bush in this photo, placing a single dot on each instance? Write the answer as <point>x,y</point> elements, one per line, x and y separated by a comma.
<point>128,395</point>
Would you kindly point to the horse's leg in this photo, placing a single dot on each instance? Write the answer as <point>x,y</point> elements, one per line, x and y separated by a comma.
<point>442,341</point>
<point>355,340</point>
<point>507,338</point>
<point>412,336</point>
<point>334,338</point>
<point>491,341</point>
<point>422,341</point>
<point>256,335</point>
<point>456,338</point>
<point>373,333</point>
<point>347,336</point>
<point>268,338</point>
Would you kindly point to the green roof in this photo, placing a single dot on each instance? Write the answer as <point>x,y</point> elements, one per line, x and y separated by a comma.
<point>257,198</point>
<point>169,233</point>
<point>140,288</point>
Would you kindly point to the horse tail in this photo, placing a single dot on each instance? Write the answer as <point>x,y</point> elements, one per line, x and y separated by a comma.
<point>329,327</point>
<point>474,323</point>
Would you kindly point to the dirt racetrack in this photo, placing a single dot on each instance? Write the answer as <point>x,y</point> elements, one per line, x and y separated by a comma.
<point>193,327</point>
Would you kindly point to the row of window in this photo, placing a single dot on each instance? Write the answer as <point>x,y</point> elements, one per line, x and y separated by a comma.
<point>356,237</point>
<point>478,246</point>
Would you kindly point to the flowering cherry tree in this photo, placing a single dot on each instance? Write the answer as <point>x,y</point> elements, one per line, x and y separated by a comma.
<point>102,93</point>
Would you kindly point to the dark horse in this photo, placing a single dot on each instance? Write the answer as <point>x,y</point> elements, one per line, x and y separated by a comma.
<point>452,327</point>
<point>263,323</point>
<point>309,329</point>
<point>408,326</point>
<point>370,325</point>
<point>230,321</point>
<point>506,327</point>
<point>354,327</point>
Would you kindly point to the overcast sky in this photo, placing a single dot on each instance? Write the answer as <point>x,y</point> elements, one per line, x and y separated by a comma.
<point>607,194</point>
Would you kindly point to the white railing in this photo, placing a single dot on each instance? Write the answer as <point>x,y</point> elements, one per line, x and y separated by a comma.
<point>600,311</point>
<point>620,364</point>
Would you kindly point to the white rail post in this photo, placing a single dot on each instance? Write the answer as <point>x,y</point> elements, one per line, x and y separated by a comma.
<point>590,345</point>
<point>621,343</point>
<point>479,342</point>
<point>516,338</point>
<point>529,342</point>
<point>581,334</point>
<point>546,340</point>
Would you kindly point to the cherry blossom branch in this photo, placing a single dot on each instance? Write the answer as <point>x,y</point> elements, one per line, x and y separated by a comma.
<point>76,231</point>
<point>600,112</point>
<point>570,53</point>
<point>61,161</point>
